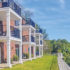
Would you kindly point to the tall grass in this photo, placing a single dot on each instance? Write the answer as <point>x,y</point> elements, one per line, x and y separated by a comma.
<point>54,64</point>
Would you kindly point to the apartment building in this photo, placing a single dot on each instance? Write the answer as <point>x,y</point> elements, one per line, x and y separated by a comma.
<point>17,35</point>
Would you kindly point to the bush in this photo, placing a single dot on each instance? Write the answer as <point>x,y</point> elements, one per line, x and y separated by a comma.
<point>15,58</point>
<point>25,55</point>
<point>68,60</point>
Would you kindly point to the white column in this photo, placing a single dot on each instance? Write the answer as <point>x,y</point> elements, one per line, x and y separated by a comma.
<point>39,45</point>
<point>30,52</point>
<point>20,53</point>
<point>42,45</point>
<point>42,50</point>
<point>35,35</point>
<point>35,52</point>
<point>35,44</point>
<point>8,39</point>
<point>30,43</point>
<point>20,47</point>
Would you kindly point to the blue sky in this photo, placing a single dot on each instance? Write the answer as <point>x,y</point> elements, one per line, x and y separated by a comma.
<point>52,15</point>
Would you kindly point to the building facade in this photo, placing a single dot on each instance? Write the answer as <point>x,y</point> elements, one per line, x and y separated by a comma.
<point>18,36</point>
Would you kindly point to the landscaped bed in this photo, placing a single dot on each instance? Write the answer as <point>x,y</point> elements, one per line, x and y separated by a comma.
<point>47,62</point>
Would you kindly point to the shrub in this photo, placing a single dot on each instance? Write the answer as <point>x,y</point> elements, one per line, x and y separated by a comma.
<point>68,60</point>
<point>15,58</point>
<point>25,55</point>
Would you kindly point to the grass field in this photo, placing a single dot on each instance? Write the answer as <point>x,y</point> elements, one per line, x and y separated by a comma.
<point>48,62</point>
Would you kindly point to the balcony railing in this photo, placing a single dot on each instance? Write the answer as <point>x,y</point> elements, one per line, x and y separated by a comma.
<point>15,32</point>
<point>3,30</point>
<point>26,38</point>
<point>32,39</point>
<point>12,5</point>
<point>41,42</point>
<point>39,31</point>
<point>3,33</point>
<point>29,22</point>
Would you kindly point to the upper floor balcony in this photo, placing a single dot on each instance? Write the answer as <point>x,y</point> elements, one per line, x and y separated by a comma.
<point>26,38</point>
<point>29,22</point>
<point>15,32</point>
<point>11,4</point>
<point>39,39</point>
<point>39,31</point>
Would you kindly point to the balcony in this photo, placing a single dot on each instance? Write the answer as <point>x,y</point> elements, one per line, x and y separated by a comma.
<point>26,38</point>
<point>32,39</point>
<point>2,33</point>
<point>12,5</point>
<point>29,22</point>
<point>15,32</point>
<point>39,31</point>
<point>3,30</point>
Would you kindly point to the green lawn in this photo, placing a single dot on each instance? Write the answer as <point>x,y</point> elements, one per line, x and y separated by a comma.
<point>48,62</point>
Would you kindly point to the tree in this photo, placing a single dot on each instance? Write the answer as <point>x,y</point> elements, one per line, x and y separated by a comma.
<point>45,35</point>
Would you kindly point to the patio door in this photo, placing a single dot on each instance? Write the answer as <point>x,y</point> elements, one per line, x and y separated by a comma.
<point>0,55</point>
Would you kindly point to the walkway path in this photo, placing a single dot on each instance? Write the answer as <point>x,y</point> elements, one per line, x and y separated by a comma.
<point>61,63</point>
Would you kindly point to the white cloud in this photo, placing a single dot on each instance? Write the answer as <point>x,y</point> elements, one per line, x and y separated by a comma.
<point>62,3</point>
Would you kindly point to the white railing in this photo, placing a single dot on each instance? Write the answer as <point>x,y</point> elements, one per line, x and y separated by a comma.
<point>62,64</point>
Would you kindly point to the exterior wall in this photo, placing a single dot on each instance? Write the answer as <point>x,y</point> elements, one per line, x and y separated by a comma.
<point>5,51</point>
<point>25,32</point>
<point>12,23</point>
<point>4,26</point>
<point>13,51</point>
<point>0,4</point>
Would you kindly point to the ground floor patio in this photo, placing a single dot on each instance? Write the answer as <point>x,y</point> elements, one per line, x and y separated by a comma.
<point>28,53</point>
